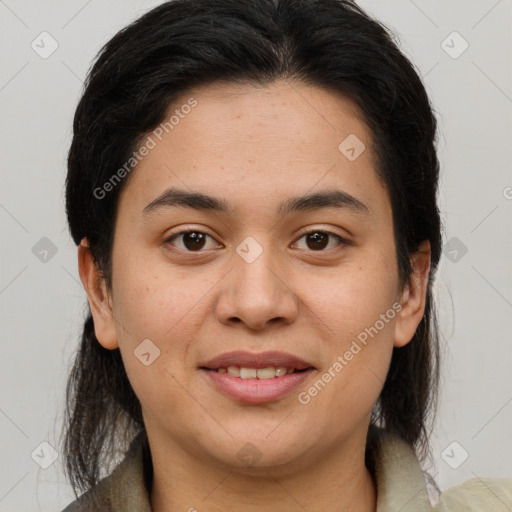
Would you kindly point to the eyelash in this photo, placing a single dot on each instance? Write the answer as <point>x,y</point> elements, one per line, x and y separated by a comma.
<point>171,238</point>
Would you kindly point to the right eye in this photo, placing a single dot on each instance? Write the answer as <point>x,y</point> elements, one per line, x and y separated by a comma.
<point>191,240</point>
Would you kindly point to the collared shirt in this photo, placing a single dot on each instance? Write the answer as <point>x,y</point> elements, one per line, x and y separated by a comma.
<point>396,470</point>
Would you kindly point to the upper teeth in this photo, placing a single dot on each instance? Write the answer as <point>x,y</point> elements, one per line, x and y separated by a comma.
<point>256,373</point>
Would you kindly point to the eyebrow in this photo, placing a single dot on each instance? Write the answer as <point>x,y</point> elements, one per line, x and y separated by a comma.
<point>324,199</point>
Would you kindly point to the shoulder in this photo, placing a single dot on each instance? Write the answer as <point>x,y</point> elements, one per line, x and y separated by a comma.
<point>402,484</point>
<point>124,489</point>
<point>96,499</point>
<point>476,495</point>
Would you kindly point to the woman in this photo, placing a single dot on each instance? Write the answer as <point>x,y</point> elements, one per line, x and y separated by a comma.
<point>252,187</point>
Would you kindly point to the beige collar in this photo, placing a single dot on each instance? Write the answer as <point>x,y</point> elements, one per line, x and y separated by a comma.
<point>400,482</point>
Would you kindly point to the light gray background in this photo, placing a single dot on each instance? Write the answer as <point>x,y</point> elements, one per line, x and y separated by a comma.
<point>42,303</point>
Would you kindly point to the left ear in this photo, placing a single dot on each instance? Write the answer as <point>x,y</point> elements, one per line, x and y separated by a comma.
<point>413,296</point>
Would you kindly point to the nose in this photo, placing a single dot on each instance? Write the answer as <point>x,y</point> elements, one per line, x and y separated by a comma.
<point>257,293</point>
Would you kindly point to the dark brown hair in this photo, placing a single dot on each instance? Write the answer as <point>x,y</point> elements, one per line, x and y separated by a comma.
<point>183,43</point>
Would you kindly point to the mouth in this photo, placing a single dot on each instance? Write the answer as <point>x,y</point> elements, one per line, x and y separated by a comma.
<point>256,378</point>
<point>270,372</point>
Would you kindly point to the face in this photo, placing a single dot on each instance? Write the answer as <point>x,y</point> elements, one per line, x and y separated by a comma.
<point>256,317</point>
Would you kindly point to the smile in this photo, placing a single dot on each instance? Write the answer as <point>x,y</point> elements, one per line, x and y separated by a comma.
<point>257,373</point>
<point>256,378</point>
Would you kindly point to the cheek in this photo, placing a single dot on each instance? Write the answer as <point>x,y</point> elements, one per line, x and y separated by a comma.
<point>153,300</point>
<point>350,383</point>
<point>157,319</point>
<point>359,306</point>
<point>353,298</point>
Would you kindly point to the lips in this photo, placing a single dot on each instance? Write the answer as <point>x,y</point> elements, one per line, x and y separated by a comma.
<point>256,378</point>
<point>242,359</point>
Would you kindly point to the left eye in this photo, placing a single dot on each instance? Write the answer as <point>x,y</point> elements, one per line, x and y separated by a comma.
<point>194,241</point>
<point>318,240</point>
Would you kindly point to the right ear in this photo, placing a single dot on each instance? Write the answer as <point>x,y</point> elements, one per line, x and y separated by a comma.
<point>99,300</point>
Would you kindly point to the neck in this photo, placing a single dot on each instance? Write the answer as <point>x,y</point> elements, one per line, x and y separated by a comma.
<point>339,481</point>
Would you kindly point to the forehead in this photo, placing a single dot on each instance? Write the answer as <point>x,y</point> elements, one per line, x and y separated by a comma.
<point>256,144</point>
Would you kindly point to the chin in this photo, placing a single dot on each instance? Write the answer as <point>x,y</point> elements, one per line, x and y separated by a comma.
<point>252,450</point>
